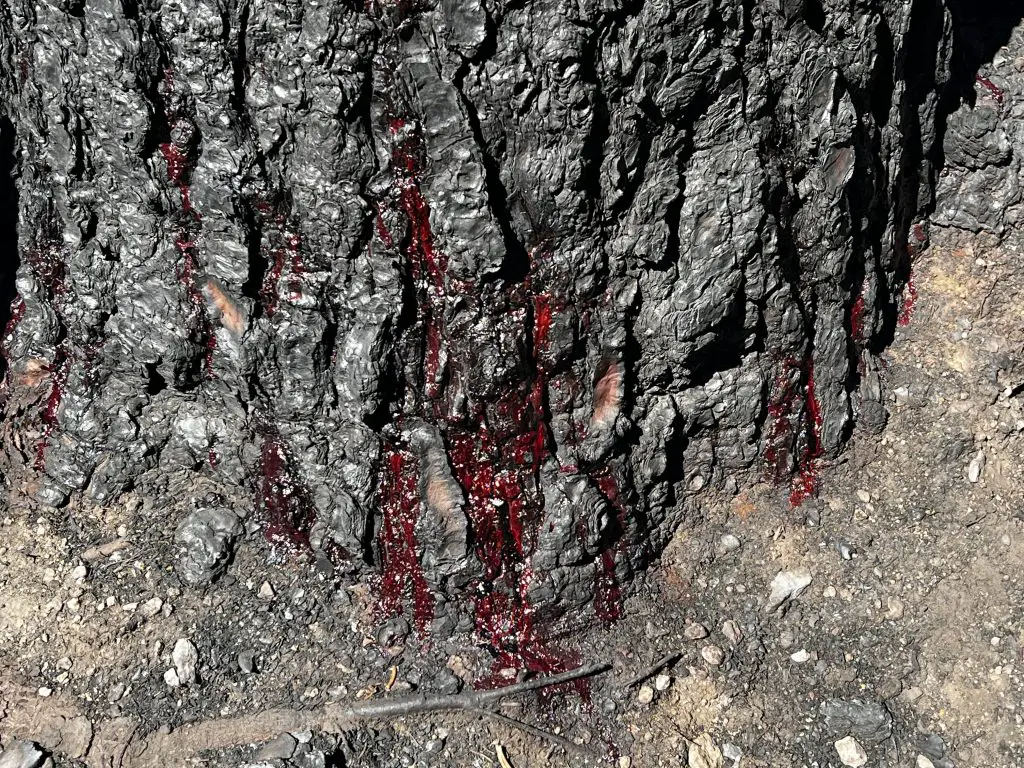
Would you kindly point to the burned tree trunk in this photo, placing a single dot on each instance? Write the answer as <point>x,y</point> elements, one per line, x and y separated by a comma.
<point>478,296</point>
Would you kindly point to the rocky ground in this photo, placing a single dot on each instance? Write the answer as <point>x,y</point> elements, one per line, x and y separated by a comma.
<point>876,624</point>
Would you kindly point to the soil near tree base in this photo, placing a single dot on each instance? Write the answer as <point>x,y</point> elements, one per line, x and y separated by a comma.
<point>908,637</point>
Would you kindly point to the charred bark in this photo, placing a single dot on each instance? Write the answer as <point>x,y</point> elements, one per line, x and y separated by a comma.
<point>476,295</point>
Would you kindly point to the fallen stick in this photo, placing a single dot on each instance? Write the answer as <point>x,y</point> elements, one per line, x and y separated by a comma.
<point>472,701</point>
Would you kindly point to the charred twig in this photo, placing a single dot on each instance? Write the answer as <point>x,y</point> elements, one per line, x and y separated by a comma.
<point>470,702</point>
<point>654,669</point>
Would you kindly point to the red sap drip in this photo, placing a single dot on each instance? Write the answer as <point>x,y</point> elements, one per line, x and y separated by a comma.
<point>177,162</point>
<point>992,88</point>
<point>186,201</point>
<point>268,291</point>
<point>805,483</point>
<point>382,230</point>
<point>909,301</point>
<point>400,508</point>
<point>289,514</point>
<point>211,347</point>
<point>425,262</point>
<point>213,459</point>
<point>541,323</point>
<point>857,320</point>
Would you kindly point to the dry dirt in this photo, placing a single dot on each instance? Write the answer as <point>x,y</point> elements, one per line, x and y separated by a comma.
<point>914,546</point>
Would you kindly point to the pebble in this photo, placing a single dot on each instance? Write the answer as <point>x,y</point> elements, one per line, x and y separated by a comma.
<point>713,655</point>
<point>732,631</point>
<point>829,592</point>
<point>266,591</point>
<point>246,662</point>
<point>44,691</point>
<point>185,657</point>
<point>171,678</point>
<point>152,607</point>
<point>924,762</point>
<point>662,682</point>
<point>695,631</point>
<point>851,752</point>
<point>645,695</point>
<point>280,748</point>
<point>728,543</point>
<point>895,608</point>
<point>863,495</point>
<point>975,468</point>
<point>788,585</point>
<point>732,752</point>
<point>79,572</point>
<point>800,656</point>
<point>625,761</point>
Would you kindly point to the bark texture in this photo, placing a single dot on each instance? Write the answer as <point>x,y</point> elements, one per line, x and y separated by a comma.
<point>475,294</point>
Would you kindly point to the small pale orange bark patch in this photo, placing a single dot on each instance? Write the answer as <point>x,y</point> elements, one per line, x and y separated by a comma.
<point>36,370</point>
<point>439,495</point>
<point>742,506</point>
<point>608,396</point>
<point>230,316</point>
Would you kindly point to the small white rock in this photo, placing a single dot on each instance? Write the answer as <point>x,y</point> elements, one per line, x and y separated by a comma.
<point>975,468</point>
<point>863,495</point>
<point>171,678</point>
<point>728,543</point>
<point>732,631</point>
<point>79,572</point>
<point>800,656</point>
<point>829,592</point>
<point>645,695</point>
<point>851,752</point>
<point>625,761</point>
<point>713,655</point>
<point>924,762</point>
<point>788,585</point>
<point>152,607</point>
<point>895,608</point>
<point>266,591</point>
<point>185,657</point>
<point>662,682</point>
<point>695,631</point>
<point>44,691</point>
